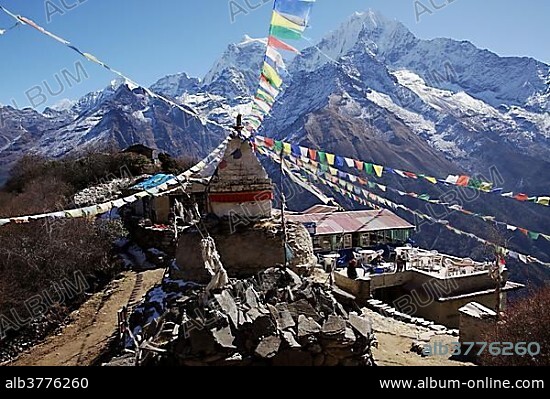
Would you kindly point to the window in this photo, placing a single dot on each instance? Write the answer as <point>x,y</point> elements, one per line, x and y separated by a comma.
<point>326,243</point>
<point>316,243</point>
<point>347,241</point>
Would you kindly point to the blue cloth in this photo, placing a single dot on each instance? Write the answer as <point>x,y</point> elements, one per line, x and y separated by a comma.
<point>153,182</point>
<point>296,8</point>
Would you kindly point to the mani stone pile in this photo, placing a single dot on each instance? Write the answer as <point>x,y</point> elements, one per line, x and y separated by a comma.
<point>276,318</point>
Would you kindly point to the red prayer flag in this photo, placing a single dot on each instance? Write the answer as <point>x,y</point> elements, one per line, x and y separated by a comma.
<point>312,154</point>
<point>521,197</point>
<point>269,142</point>
<point>274,42</point>
<point>463,181</point>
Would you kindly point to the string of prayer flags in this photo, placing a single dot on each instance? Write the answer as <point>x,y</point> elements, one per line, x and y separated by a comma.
<point>344,176</point>
<point>463,181</point>
<point>289,20</point>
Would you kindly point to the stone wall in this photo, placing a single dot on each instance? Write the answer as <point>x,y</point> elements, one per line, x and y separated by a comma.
<point>447,312</point>
<point>245,252</point>
<point>474,320</point>
<point>274,319</point>
<point>360,288</point>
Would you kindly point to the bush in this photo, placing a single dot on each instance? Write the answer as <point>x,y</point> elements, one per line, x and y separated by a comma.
<point>175,165</point>
<point>34,257</point>
<point>78,174</point>
<point>526,320</point>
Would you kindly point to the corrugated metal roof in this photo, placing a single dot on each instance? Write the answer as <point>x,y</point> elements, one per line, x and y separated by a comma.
<point>320,209</point>
<point>353,221</point>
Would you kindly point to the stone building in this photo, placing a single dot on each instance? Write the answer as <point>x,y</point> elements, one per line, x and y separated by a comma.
<point>434,286</point>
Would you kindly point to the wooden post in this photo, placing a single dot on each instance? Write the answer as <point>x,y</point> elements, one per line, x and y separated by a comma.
<point>499,287</point>
<point>283,203</point>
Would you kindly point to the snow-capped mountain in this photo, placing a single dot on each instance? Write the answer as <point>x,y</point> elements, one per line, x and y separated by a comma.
<point>444,63</point>
<point>176,85</point>
<point>236,73</point>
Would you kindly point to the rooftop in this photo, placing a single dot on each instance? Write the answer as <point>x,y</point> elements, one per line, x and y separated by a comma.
<point>352,221</point>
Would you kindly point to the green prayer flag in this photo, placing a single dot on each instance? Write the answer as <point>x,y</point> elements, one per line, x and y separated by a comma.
<point>533,235</point>
<point>369,168</point>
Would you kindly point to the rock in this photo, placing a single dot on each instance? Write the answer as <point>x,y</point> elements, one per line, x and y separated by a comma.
<point>291,340</point>
<point>334,327</point>
<point>281,319</point>
<point>282,316</point>
<point>390,312</point>
<point>361,325</point>
<point>268,347</point>
<point>325,302</point>
<point>343,296</point>
<point>251,297</point>
<point>228,305</point>
<point>194,363</point>
<point>349,362</point>
<point>402,317</point>
<point>262,326</point>
<point>340,310</point>
<point>307,326</point>
<point>224,337</point>
<point>315,348</point>
<point>418,348</point>
<point>302,307</point>
<point>201,341</point>
<point>349,336</point>
<point>437,327</point>
<point>294,278</point>
<point>426,337</point>
<point>454,332</point>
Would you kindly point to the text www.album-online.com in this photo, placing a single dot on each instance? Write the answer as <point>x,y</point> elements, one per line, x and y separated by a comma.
<point>485,383</point>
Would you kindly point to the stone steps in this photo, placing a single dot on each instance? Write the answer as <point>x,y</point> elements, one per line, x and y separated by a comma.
<point>388,311</point>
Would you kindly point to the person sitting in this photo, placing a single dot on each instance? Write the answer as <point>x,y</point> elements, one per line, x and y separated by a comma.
<point>352,269</point>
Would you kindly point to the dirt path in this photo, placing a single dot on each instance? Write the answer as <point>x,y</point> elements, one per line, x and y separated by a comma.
<point>92,326</point>
<point>395,339</point>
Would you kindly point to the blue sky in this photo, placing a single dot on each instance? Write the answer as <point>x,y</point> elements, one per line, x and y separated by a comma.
<point>150,39</point>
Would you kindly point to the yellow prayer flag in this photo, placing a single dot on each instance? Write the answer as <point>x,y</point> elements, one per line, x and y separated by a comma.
<point>279,20</point>
<point>378,170</point>
<point>432,180</point>
<point>287,148</point>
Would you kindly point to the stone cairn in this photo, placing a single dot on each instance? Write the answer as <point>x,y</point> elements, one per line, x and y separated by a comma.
<point>276,318</point>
